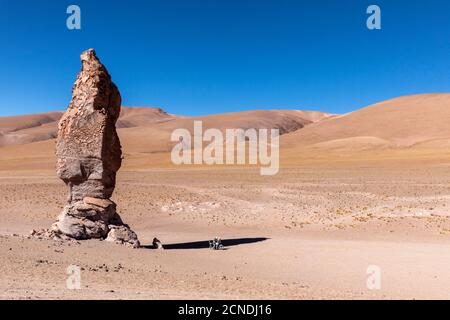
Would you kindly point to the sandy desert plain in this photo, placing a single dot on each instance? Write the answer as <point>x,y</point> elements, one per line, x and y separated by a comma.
<point>371,187</point>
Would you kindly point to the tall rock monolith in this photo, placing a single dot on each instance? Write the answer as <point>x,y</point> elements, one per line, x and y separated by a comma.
<point>89,155</point>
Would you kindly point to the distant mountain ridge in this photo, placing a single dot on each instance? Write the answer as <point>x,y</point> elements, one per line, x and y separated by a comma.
<point>24,129</point>
<point>405,129</point>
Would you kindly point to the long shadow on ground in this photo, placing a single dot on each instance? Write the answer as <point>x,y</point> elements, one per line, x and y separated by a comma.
<point>205,244</point>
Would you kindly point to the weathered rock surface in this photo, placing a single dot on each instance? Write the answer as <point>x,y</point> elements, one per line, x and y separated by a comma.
<point>89,155</point>
<point>122,234</point>
<point>88,148</point>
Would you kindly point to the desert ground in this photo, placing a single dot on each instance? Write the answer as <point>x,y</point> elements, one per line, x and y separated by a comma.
<point>367,188</point>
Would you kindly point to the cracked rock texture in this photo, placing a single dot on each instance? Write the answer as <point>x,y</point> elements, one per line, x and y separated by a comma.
<point>89,155</point>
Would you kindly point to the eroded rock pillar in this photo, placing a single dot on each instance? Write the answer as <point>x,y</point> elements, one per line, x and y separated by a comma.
<point>89,155</point>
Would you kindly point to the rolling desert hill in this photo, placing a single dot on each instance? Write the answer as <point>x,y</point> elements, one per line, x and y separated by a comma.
<point>28,128</point>
<point>25,129</point>
<point>405,129</point>
<point>142,116</point>
<point>143,131</point>
<point>400,122</point>
<point>156,138</point>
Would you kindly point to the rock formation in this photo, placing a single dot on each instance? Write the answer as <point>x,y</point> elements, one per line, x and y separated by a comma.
<point>89,155</point>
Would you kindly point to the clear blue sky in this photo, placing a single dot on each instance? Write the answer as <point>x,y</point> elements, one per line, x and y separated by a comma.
<point>207,56</point>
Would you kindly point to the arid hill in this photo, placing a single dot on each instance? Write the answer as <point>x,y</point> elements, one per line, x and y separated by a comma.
<point>28,128</point>
<point>400,122</point>
<point>156,138</point>
<point>144,132</point>
<point>18,130</point>
<point>142,116</point>
<point>401,129</point>
<point>25,129</point>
